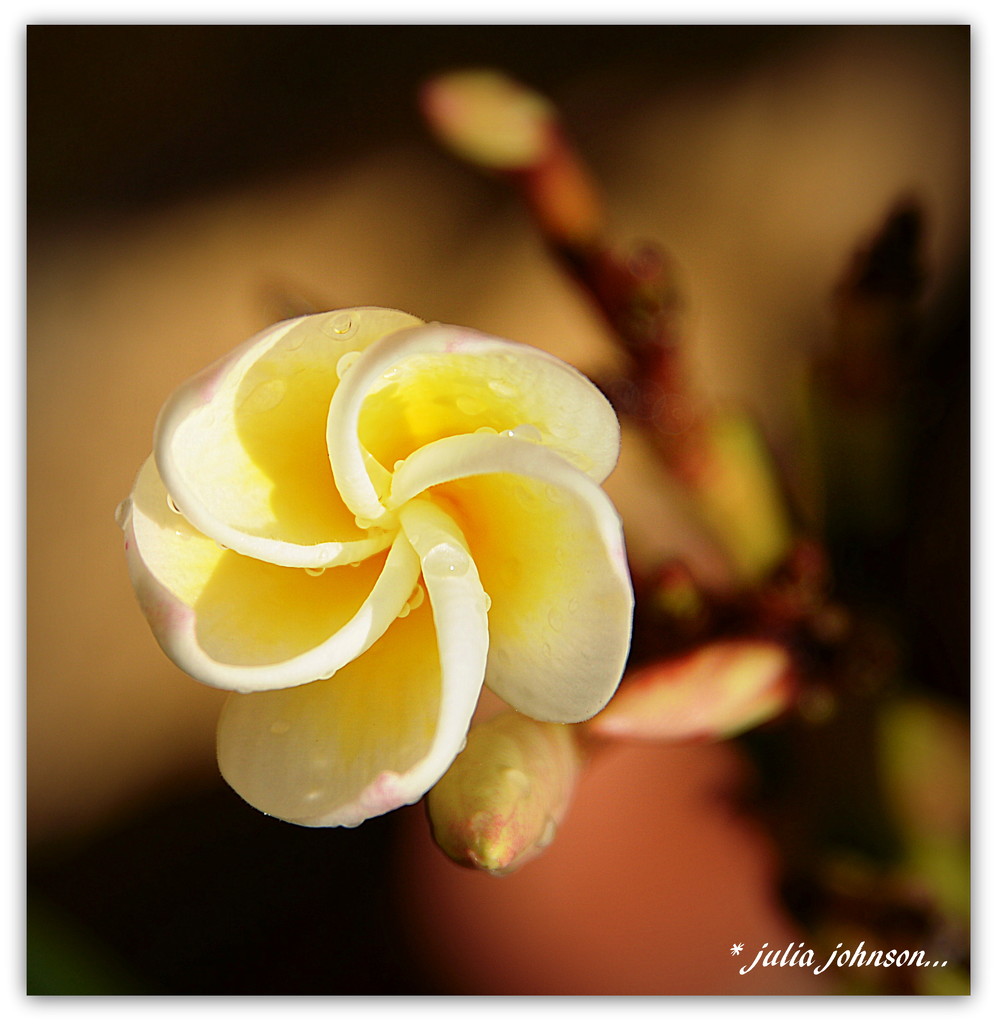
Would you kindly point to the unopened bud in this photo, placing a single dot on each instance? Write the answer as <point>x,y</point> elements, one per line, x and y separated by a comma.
<point>718,691</point>
<point>504,796</point>
<point>739,492</point>
<point>489,119</point>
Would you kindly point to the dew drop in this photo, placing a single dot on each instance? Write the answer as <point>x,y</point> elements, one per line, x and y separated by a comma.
<point>445,562</point>
<point>279,728</point>
<point>486,430</point>
<point>363,522</point>
<point>487,602</point>
<point>517,778</point>
<point>345,362</point>
<point>264,397</point>
<point>547,836</point>
<point>469,405</point>
<point>173,505</point>
<point>314,570</point>
<point>502,388</point>
<point>404,610</point>
<point>416,598</point>
<point>339,326</point>
<point>123,512</point>
<point>555,619</point>
<point>524,432</point>
<point>526,496</point>
<point>554,494</point>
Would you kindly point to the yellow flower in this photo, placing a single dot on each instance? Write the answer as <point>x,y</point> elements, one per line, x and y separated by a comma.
<point>354,520</point>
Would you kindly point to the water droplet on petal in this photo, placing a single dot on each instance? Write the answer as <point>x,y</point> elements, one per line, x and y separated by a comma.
<point>264,397</point>
<point>314,570</point>
<point>526,496</point>
<point>417,596</point>
<point>524,432</point>
<point>445,561</point>
<point>517,778</point>
<point>469,405</point>
<point>555,619</point>
<point>345,362</point>
<point>363,522</point>
<point>547,836</point>
<point>123,512</point>
<point>486,430</point>
<point>279,728</point>
<point>554,494</point>
<point>339,326</point>
<point>503,388</point>
<point>488,602</point>
<point>563,431</point>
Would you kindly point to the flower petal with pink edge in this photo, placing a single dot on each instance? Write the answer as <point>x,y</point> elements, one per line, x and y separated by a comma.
<point>382,731</point>
<point>241,447</point>
<point>242,624</point>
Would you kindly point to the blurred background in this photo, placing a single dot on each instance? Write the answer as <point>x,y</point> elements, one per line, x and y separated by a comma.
<point>187,186</point>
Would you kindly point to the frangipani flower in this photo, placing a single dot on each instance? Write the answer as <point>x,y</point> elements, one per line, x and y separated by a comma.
<point>356,519</point>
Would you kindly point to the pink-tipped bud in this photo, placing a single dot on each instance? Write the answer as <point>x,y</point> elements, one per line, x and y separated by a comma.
<point>722,689</point>
<point>488,119</point>
<point>505,795</point>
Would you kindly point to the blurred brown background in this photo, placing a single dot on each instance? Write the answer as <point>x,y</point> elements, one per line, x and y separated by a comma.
<point>188,185</point>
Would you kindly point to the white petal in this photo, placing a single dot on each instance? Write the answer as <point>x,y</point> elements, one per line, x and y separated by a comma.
<point>549,548</point>
<point>383,730</point>
<point>242,624</point>
<point>241,446</point>
<point>435,381</point>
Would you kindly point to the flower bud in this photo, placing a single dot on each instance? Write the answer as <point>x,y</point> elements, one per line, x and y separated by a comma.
<point>740,495</point>
<point>489,119</point>
<point>720,690</point>
<point>503,798</point>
